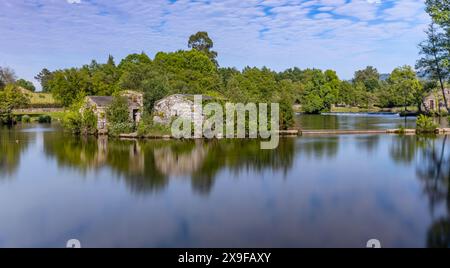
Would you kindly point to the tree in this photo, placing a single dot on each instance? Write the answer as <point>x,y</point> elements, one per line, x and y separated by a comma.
<point>103,77</point>
<point>351,94</point>
<point>434,61</point>
<point>26,85</point>
<point>44,77</point>
<point>369,77</point>
<point>439,10</point>
<point>133,70</point>
<point>7,76</point>
<point>253,85</point>
<point>226,74</point>
<point>155,88</point>
<point>70,85</point>
<point>11,98</point>
<point>405,85</point>
<point>201,42</point>
<point>188,72</point>
<point>286,101</point>
<point>321,91</point>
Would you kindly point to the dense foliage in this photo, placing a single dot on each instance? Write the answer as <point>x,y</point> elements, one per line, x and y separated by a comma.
<point>118,117</point>
<point>80,120</point>
<point>196,71</point>
<point>435,51</point>
<point>425,124</point>
<point>26,85</point>
<point>11,98</point>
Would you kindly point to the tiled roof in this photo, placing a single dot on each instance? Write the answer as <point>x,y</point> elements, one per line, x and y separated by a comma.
<point>101,101</point>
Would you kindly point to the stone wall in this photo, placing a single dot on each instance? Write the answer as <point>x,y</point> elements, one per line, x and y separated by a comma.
<point>175,106</point>
<point>38,110</point>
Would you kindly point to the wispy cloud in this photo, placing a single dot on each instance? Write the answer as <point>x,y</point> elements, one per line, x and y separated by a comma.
<point>74,1</point>
<point>341,34</point>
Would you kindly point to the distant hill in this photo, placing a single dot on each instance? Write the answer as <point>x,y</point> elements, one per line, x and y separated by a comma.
<point>384,77</point>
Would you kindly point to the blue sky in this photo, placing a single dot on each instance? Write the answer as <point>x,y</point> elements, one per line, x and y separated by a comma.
<point>344,35</point>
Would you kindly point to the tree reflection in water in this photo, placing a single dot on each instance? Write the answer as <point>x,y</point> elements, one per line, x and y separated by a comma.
<point>434,172</point>
<point>12,144</point>
<point>147,166</point>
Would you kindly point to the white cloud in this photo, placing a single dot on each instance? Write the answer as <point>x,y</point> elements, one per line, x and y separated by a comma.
<point>74,1</point>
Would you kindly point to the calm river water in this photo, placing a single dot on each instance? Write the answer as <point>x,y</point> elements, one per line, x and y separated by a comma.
<point>325,191</point>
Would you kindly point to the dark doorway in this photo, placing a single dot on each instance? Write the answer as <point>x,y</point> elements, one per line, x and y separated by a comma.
<point>135,112</point>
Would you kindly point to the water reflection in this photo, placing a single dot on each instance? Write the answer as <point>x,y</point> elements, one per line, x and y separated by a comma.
<point>355,121</point>
<point>12,145</point>
<point>434,173</point>
<point>148,165</point>
<point>320,191</point>
<point>404,149</point>
<point>368,143</point>
<point>319,147</point>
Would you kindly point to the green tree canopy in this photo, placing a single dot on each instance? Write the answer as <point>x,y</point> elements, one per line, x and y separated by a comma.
<point>26,85</point>
<point>201,42</point>
<point>369,77</point>
<point>11,98</point>
<point>44,77</point>
<point>321,90</point>
<point>404,86</point>
<point>189,72</point>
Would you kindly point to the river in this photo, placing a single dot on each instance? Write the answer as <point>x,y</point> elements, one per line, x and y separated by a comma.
<point>324,191</point>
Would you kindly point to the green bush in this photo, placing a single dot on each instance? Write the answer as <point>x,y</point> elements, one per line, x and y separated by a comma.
<point>120,128</point>
<point>119,117</point>
<point>45,119</point>
<point>72,121</point>
<point>425,124</point>
<point>89,122</point>
<point>148,127</point>
<point>80,123</point>
<point>18,118</point>
<point>26,119</point>
<point>286,115</point>
<point>118,111</point>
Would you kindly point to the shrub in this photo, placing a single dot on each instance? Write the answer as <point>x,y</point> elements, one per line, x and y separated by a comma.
<point>5,115</point>
<point>26,119</point>
<point>80,123</point>
<point>45,119</point>
<point>118,117</point>
<point>120,128</point>
<point>118,111</point>
<point>18,118</point>
<point>72,121</point>
<point>286,115</point>
<point>148,127</point>
<point>425,124</point>
<point>89,122</point>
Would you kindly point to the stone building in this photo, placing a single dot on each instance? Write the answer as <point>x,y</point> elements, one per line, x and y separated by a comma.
<point>434,102</point>
<point>100,104</point>
<point>176,106</point>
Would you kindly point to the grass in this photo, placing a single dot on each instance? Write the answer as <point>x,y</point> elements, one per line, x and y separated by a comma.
<point>42,98</point>
<point>39,98</point>
<point>56,116</point>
